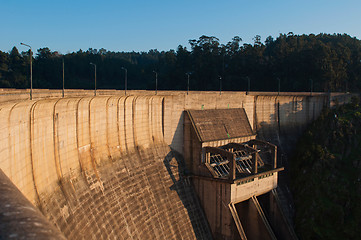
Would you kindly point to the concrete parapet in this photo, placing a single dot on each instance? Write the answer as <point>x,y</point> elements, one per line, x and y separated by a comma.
<point>19,219</point>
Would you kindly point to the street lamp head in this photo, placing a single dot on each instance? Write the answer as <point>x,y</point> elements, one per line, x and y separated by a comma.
<point>25,45</point>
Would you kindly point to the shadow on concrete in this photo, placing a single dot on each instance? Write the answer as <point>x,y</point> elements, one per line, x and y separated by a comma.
<point>175,166</point>
<point>289,121</point>
<point>269,203</point>
<point>252,222</point>
<point>177,140</point>
<point>284,128</point>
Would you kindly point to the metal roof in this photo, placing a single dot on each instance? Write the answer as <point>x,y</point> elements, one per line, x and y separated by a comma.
<point>218,124</point>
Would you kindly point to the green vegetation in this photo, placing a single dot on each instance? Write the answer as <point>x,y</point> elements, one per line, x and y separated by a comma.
<point>329,62</point>
<point>326,176</point>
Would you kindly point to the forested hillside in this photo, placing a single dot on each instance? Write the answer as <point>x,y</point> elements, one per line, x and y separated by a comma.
<point>326,176</point>
<point>295,62</point>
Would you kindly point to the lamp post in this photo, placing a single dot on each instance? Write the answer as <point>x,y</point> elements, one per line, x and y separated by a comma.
<point>311,83</point>
<point>95,78</point>
<point>31,70</point>
<point>220,85</point>
<point>63,78</point>
<point>156,82</point>
<point>249,85</point>
<point>188,82</point>
<point>279,85</point>
<point>125,82</point>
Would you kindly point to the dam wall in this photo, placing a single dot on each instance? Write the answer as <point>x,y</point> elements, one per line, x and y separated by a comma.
<point>276,117</point>
<point>109,166</point>
<point>60,137</point>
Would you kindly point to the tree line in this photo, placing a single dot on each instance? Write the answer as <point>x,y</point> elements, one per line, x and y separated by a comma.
<point>322,62</point>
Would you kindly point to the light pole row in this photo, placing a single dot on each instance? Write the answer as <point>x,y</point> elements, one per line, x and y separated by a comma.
<point>156,79</point>
<point>95,78</point>
<point>125,82</point>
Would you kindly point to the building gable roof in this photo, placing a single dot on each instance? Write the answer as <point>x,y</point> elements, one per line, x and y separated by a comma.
<point>218,124</point>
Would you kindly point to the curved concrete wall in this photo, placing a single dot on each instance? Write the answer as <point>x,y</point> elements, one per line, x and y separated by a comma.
<point>46,140</point>
<point>98,167</point>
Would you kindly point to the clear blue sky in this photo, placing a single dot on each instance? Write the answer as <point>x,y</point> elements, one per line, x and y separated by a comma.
<point>70,25</point>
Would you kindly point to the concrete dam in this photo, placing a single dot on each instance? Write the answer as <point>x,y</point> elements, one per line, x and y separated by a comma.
<point>122,167</point>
